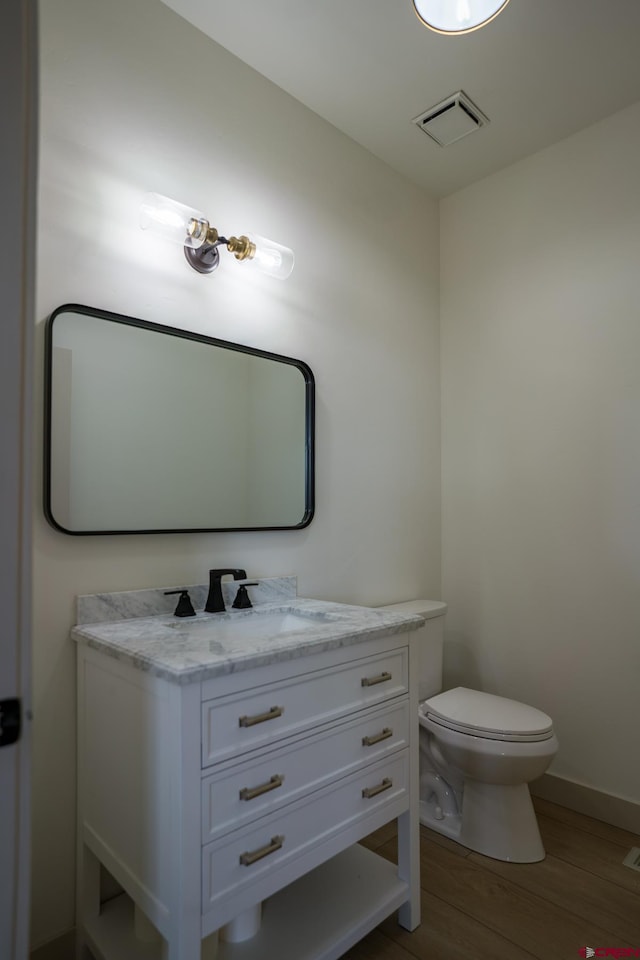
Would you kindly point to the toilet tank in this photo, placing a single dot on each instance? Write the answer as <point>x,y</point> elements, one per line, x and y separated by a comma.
<point>430,640</point>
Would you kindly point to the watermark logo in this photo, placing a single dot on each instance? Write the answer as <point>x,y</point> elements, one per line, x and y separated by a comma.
<point>617,952</point>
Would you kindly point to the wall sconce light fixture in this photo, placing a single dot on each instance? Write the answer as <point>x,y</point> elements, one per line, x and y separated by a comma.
<point>202,242</point>
<point>457,16</point>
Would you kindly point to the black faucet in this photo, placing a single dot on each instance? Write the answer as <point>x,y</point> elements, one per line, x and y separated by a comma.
<point>215,603</point>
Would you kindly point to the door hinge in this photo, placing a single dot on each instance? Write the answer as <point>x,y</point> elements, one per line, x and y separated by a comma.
<point>10,721</point>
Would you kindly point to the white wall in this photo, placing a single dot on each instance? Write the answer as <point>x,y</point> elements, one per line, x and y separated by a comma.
<point>134,99</point>
<point>541,443</point>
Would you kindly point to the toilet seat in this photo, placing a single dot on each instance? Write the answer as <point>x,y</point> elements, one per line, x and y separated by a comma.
<point>486,715</point>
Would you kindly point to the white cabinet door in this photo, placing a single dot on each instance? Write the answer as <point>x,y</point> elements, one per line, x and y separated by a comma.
<point>18,93</point>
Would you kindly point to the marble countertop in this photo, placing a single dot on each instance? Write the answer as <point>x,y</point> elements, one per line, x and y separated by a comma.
<point>212,645</point>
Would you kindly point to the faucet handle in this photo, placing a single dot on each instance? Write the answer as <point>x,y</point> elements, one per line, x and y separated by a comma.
<point>185,607</point>
<point>242,601</point>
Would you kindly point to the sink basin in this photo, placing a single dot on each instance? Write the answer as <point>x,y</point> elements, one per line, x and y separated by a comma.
<point>255,625</point>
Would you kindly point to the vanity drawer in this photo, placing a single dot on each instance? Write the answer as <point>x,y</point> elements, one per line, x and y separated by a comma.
<point>236,724</point>
<point>237,860</point>
<point>246,791</point>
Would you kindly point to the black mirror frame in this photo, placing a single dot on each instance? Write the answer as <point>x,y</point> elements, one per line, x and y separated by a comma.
<point>304,369</point>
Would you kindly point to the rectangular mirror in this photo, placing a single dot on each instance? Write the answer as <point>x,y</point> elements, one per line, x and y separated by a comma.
<point>151,429</point>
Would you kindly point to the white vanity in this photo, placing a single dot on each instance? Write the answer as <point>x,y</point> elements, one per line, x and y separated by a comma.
<point>234,760</point>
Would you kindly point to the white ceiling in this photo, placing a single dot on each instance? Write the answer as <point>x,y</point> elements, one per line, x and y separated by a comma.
<point>542,70</point>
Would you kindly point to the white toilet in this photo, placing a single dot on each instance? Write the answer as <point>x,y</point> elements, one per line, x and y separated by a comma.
<point>478,752</point>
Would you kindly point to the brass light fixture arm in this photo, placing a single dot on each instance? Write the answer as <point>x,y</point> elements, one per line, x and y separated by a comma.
<point>206,257</point>
<point>241,247</point>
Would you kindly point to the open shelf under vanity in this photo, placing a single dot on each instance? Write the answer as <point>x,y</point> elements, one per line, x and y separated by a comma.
<point>318,917</point>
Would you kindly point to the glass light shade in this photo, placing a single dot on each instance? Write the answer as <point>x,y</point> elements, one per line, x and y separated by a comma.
<point>271,257</point>
<point>173,220</point>
<point>457,16</point>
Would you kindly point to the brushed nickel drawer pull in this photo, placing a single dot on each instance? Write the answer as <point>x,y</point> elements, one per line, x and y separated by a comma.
<point>250,793</point>
<point>371,681</point>
<point>261,717</point>
<point>246,859</point>
<point>369,792</point>
<point>376,738</point>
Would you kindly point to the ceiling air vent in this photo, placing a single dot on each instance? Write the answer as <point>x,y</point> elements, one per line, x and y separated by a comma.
<point>451,119</point>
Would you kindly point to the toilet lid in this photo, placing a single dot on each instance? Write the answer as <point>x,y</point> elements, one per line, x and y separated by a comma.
<point>485,715</point>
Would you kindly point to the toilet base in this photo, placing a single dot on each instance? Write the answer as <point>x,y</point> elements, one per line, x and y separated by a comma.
<point>448,826</point>
<point>497,820</point>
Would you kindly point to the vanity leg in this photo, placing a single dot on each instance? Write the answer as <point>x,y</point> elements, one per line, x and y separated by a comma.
<point>185,945</point>
<point>88,895</point>
<point>409,822</point>
<point>409,869</point>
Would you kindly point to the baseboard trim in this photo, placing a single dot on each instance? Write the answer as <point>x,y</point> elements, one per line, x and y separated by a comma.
<point>583,799</point>
<point>62,948</point>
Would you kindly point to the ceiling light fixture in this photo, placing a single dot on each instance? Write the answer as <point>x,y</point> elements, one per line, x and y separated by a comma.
<point>457,16</point>
<point>201,241</point>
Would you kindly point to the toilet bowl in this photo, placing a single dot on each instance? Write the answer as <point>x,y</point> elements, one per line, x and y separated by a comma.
<point>486,749</point>
<point>478,753</point>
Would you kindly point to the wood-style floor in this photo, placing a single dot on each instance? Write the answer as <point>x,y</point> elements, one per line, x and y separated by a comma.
<point>475,908</point>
